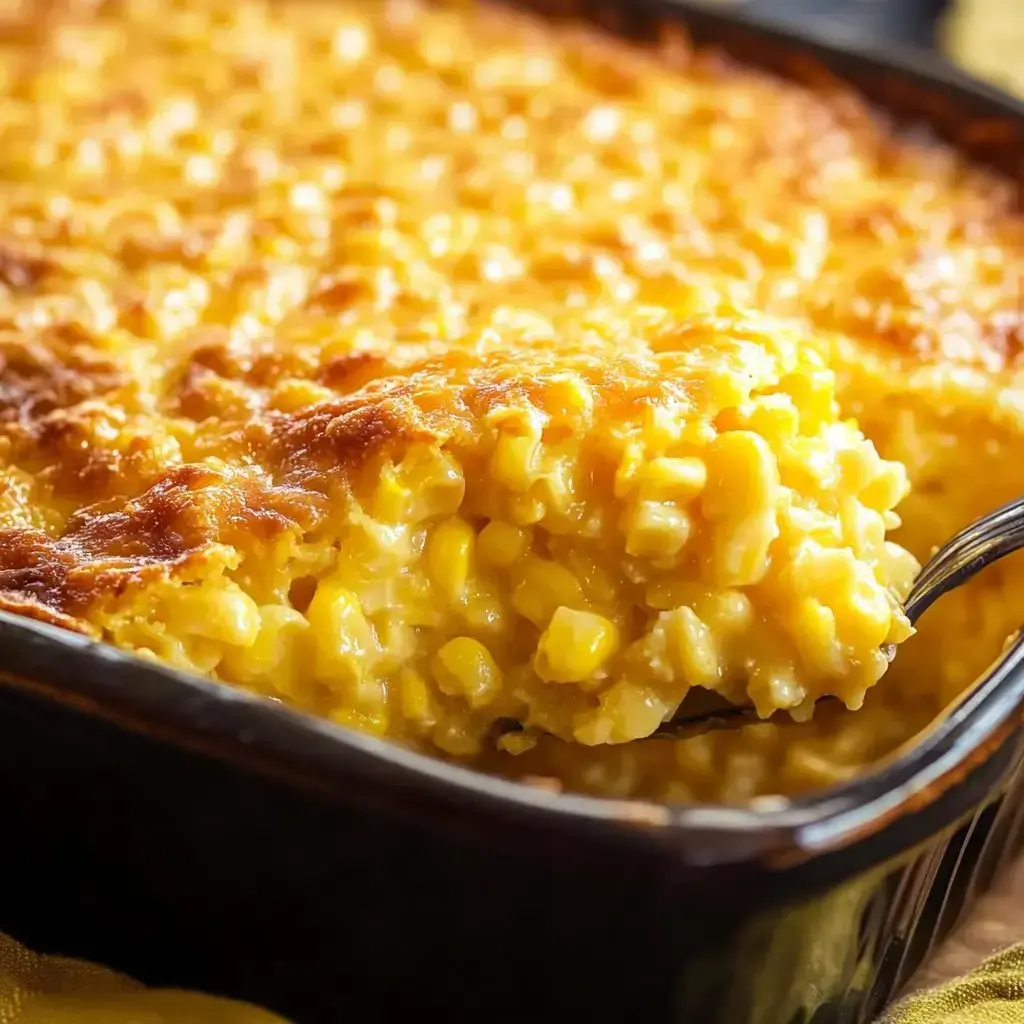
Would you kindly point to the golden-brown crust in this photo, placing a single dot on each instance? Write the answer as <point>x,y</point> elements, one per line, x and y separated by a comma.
<point>330,439</point>
<point>106,548</point>
<point>30,608</point>
<point>56,369</point>
<point>22,270</point>
<point>327,233</point>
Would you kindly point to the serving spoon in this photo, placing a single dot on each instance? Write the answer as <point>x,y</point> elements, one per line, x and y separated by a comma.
<point>976,547</point>
<point>986,540</point>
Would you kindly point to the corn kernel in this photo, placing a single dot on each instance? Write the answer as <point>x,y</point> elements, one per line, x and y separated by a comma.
<point>813,628</point>
<point>593,730</point>
<point>515,460</point>
<point>807,466</point>
<point>272,648</point>
<point>874,666</point>
<point>501,544</point>
<point>628,711</point>
<point>892,520</point>
<point>217,612</point>
<point>449,552</point>
<point>742,476</point>
<point>900,566</point>
<point>665,479</point>
<point>657,530</point>
<point>484,610</point>
<point>771,416</point>
<point>741,497</point>
<point>344,638</point>
<point>542,586</point>
<point>900,628</point>
<point>858,464</point>
<point>415,697</point>
<point>816,570</point>
<point>813,393</point>
<point>693,648</point>
<point>457,736</point>
<point>556,487</point>
<point>568,399</point>
<point>863,528</point>
<point>773,686</point>
<point>413,594</point>
<point>575,646</point>
<point>863,613</point>
<point>628,469</point>
<point>463,667</point>
<point>800,522</point>
<point>662,426</point>
<point>436,482</point>
<point>730,610</point>
<point>740,549</point>
<point>888,488</point>
<point>397,640</point>
<point>392,498</point>
<point>516,743</point>
<point>526,509</point>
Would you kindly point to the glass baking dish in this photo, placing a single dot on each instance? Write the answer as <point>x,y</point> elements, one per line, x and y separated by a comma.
<point>194,835</point>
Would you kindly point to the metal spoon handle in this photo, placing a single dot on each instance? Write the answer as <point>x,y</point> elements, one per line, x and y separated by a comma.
<point>986,540</point>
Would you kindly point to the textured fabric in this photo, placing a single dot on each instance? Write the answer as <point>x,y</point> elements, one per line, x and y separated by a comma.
<point>991,994</point>
<point>38,989</point>
<point>987,38</point>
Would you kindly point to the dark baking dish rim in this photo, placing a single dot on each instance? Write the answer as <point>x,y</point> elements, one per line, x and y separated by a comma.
<point>944,770</point>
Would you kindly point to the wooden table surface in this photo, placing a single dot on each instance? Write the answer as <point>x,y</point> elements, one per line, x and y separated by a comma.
<point>997,921</point>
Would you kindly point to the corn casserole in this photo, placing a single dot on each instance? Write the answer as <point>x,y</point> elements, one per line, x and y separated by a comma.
<point>432,367</point>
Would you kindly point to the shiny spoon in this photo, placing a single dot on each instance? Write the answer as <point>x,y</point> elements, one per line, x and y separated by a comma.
<point>986,540</point>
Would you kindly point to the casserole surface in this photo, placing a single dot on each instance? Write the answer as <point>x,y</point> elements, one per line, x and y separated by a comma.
<point>369,258</point>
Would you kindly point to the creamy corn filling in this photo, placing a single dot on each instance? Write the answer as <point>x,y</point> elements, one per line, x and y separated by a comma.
<point>400,362</point>
<point>573,555</point>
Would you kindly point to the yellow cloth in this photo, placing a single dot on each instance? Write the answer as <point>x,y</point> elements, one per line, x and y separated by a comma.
<point>991,994</point>
<point>987,38</point>
<point>38,989</point>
